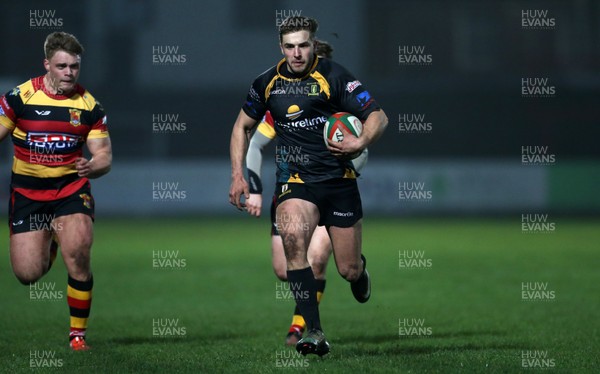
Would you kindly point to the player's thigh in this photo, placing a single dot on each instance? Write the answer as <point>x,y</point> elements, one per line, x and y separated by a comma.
<point>347,243</point>
<point>30,253</point>
<point>75,235</point>
<point>297,217</point>
<point>278,257</point>
<point>30,234</point>
<point>74,219</point>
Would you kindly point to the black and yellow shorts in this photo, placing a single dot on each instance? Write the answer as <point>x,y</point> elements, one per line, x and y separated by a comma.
<point>338,200</point>
<point>26,215</point>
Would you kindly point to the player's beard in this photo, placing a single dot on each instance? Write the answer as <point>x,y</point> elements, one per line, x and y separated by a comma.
<point>301,69</point>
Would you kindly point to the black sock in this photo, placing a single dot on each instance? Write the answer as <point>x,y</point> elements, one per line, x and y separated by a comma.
<point>304,288</point>
<point>320,290</point>
<point>321,285</point>
<point>362,274</point>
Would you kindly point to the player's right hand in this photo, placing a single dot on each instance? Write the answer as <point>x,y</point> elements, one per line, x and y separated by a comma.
<point>238,187</point>
<point>254,204</point>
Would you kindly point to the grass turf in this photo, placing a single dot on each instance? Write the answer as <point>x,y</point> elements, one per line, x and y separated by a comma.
<point>222,295</point>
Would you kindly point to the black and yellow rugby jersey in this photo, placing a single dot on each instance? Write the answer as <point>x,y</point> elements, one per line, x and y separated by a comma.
<point>300,107</point>
<point>48,133</point>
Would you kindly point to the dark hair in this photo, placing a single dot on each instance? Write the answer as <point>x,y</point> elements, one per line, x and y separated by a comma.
<point>323,49</point>
<point>298,23</point>
<point>62,41</point>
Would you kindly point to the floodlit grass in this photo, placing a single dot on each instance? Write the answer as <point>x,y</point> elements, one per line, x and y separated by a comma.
<point>217,292</point>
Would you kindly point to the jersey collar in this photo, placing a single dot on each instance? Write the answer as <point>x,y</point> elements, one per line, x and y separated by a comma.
<point>38,84</point>
<point>281,67</point>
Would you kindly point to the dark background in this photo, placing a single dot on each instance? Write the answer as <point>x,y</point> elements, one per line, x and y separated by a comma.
<point>470,93</point>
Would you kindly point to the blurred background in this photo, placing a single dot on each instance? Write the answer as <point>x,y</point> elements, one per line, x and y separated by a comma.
<point>492,105</point>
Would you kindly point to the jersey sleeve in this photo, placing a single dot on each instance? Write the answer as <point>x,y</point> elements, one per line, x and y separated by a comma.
<point>99,128</point>
<point>10,107</point>
<point>267,126</point>
<point>350,95</point>
<point>263,136</point>
<point>254,161</point>
<point>255,105</point>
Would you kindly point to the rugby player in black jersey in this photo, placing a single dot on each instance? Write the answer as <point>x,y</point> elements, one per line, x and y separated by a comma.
<point>319,249</point>
<point>322,189</point>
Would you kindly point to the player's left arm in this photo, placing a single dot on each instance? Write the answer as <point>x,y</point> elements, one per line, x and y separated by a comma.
<point>373,127</point>
<point>100,162</point>
<point>349,95</point>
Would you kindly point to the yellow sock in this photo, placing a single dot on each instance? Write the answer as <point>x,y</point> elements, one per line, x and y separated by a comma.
<point>298,320</point>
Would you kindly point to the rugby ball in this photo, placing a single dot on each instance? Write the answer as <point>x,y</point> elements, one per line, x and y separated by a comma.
<point>338,121</point>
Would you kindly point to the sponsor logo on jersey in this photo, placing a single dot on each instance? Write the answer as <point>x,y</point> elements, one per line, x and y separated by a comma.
<point>296,89</point>
<point>42,112</point>
<point>351,86</point>
<point>75,117</point>
<point>294,112</point>
<point>278,91</point>
<point>52,141</point>
<point>364,99</point>
<point>2,111</point>
<point>303,123</point>
<point>15,91</point>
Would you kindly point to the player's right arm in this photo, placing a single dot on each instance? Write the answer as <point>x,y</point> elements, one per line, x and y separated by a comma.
<point>4,132</point>
<point>237,150</point>
<point>10,105</point>
<point>253,110</point>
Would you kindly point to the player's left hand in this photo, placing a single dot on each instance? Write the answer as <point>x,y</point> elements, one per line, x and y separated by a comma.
<point>347,147</point>
<point>83,166</point>
<point>239,187</point>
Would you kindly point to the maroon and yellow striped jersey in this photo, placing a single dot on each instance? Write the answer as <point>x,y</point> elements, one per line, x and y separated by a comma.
<point>267,126</point>
<point>48,132</point>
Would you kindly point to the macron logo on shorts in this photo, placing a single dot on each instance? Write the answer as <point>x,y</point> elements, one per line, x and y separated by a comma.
<point>343,214</point>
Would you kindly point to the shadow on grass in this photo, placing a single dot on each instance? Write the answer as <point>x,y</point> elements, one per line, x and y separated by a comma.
<point>434,348</point>
<point>444,335</point>
<point>138,340</point>
<point>446,341</point>
<point>429,344</point>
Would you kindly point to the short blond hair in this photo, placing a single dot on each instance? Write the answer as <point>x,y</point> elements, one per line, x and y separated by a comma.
<point>61,41</point>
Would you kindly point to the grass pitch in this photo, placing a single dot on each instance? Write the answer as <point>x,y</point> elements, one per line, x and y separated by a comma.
<point>199,296</point>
